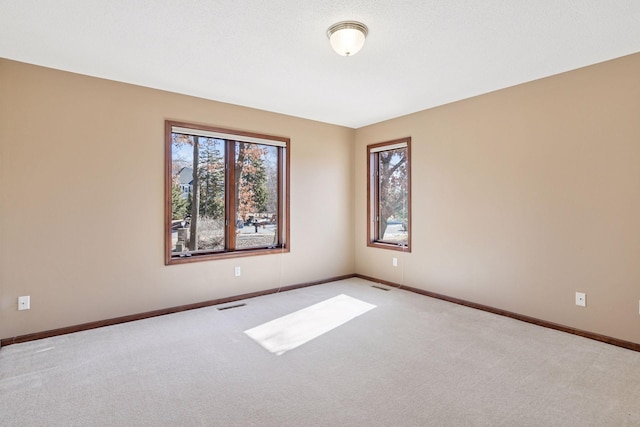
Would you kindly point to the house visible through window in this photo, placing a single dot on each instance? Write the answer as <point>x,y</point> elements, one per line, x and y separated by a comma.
<point>389,195</point>
<point>226,193</point>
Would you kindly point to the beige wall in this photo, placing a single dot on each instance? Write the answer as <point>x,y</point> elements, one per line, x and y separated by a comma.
<point>521,198</point>
<point>81,194</point>
<point>524,196</point>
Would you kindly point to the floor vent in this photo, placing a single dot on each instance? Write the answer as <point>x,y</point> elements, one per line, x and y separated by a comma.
<point>231,306</point>
<point>380,287</point>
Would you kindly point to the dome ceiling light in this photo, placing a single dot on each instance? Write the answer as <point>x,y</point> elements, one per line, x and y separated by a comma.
<point>347,37</point>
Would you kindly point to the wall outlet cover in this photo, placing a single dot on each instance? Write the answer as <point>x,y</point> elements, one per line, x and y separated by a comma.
<point>24,303</point>
<point>581,299</point>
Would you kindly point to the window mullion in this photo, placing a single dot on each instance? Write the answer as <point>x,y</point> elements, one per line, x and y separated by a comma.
<point>279,200</point>
<point>376,235</point>
<point>230,194</point>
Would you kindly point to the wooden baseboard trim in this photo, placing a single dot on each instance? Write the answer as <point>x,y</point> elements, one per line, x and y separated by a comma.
<point>161,312</point>
<point>591,335</point>
<point>132,317</point>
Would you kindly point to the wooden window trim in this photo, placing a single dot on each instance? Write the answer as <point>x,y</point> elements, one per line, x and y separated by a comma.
<point>283,216</point>
<point>373,198</point>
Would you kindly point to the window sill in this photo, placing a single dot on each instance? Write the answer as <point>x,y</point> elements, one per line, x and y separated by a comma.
<point>224,255</point>
<point>390,246</point>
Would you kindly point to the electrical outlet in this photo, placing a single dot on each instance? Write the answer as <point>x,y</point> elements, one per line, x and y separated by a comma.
<point>24,303</point>
<point>581,299</point>
<point>238,271</point>
<point>395,262</point>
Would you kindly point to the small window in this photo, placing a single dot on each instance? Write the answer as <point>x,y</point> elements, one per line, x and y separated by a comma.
<point>389,195</point>
<point>226,193</point>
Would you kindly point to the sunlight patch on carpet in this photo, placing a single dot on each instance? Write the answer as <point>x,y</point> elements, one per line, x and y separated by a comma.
<point>291,331</point>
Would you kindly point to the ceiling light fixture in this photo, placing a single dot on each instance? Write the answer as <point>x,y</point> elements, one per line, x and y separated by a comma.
<point>347,37</point>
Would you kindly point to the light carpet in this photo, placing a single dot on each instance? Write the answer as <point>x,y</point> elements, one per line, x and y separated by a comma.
<point>413,361</point>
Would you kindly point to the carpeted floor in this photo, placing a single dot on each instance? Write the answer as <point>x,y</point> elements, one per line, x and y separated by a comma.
<point>411,361</point>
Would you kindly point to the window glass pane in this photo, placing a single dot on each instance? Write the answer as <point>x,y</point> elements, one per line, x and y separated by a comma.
<point>197,199</point>
<point>392,192</point>
<point>210,195</point>
<point>256,175</point>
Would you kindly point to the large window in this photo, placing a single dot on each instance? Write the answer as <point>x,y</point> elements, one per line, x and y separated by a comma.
<point>226,193</point>
<point>389,195</point>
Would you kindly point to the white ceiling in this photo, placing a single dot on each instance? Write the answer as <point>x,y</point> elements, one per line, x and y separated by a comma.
<point>274,54</point>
